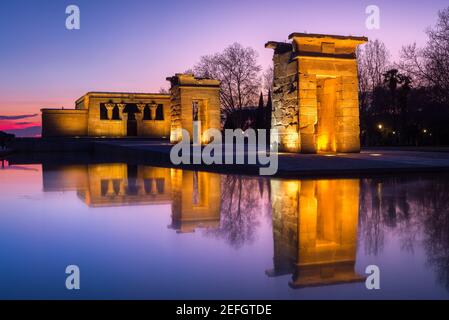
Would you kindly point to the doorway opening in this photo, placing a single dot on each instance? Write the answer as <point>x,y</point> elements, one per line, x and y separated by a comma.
<point>326,105</point>
<point>131,124</point>
<point>196,122</point>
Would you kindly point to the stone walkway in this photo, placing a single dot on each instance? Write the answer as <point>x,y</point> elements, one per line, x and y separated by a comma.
<point>372,161</point>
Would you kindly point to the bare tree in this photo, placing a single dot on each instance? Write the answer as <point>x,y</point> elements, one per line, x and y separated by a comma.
<point>268,77</point>
<point>237,69</point>
<point>373,60</point>
<point>243,201</point>
<point>430,65</point>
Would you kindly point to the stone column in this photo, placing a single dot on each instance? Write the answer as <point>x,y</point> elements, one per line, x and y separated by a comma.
<point>121,107</point>
<point>153,186</point>
<point>308,111</point>
<point>125,123</point>
<point>141,107</point>
<point>153,108</point>
<point>285,117</point>
<point>347,114</point>
<point>110,188</point>
<point>110,108</point>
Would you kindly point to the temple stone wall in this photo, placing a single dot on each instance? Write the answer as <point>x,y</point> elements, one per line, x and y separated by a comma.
<point>315,93</point>
<point>308,111</point>
<point>118,128</point>
<point>156,128</point>
<point>99,127</point>
<point>285,100</point>
<point>85,119</point>
<point>336,127</point>
<point>115,114</point>
<point>187,90</point>
<point>175,115</point>
<point>64,123</point>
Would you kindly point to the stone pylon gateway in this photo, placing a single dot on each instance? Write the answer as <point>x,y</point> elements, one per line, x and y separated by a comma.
<point>315,93</point>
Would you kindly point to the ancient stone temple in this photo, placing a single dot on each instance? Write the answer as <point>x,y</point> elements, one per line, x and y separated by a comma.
<point>118,114</point>
<point>315,93</point>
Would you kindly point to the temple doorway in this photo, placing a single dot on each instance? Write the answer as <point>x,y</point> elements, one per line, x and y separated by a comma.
<point>326,105</point>
<point>131,124</point>
<point>196,122</point>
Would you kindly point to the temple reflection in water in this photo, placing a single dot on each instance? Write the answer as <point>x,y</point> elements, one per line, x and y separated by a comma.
<point>194,196</point>
<point>315,231</point>
<point>314,221</point>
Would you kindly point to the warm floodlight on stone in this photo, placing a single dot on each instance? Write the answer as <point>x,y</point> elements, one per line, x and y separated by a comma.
<point>153,115</point>
<point>193,100</point>
<point>315,93</point>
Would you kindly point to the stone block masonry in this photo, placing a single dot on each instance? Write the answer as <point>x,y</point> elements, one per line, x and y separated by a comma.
<point>315,93</point>
<point>152,115</point>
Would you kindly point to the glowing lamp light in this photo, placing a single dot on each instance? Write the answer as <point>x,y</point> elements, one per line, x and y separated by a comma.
<point>380,126</point>
<point>424,131</point>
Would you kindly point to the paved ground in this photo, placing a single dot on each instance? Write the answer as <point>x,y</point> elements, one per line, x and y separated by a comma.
<point>371,161</point>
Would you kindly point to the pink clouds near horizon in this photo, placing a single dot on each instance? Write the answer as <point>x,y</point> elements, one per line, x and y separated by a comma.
<point>21,125</point>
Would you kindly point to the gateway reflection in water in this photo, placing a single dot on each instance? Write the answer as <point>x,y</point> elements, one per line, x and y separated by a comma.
<point>315,231</point>
<point>255,238</point>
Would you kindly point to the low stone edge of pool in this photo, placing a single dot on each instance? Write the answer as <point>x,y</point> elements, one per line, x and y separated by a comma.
<point>158,154</point>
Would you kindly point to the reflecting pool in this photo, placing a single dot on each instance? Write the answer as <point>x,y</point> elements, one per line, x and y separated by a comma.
<point>141,232</point>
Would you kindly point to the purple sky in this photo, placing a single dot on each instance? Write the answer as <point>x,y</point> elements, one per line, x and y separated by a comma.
<point>134,45</point>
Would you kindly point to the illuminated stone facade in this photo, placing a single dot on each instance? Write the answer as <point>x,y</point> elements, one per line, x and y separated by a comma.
<point>315,93</point>
<point>113,114</point>
<point>194,99</point>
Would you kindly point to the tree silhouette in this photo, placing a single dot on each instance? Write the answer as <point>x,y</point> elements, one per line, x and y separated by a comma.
<point>237,69</point>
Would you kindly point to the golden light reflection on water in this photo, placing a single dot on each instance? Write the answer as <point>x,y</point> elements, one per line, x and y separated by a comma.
<point>194,196</point>
<point>315,231</point>
<point>314,221</point>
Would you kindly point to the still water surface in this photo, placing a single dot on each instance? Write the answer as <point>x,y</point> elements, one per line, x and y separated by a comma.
<point>139,232</point>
